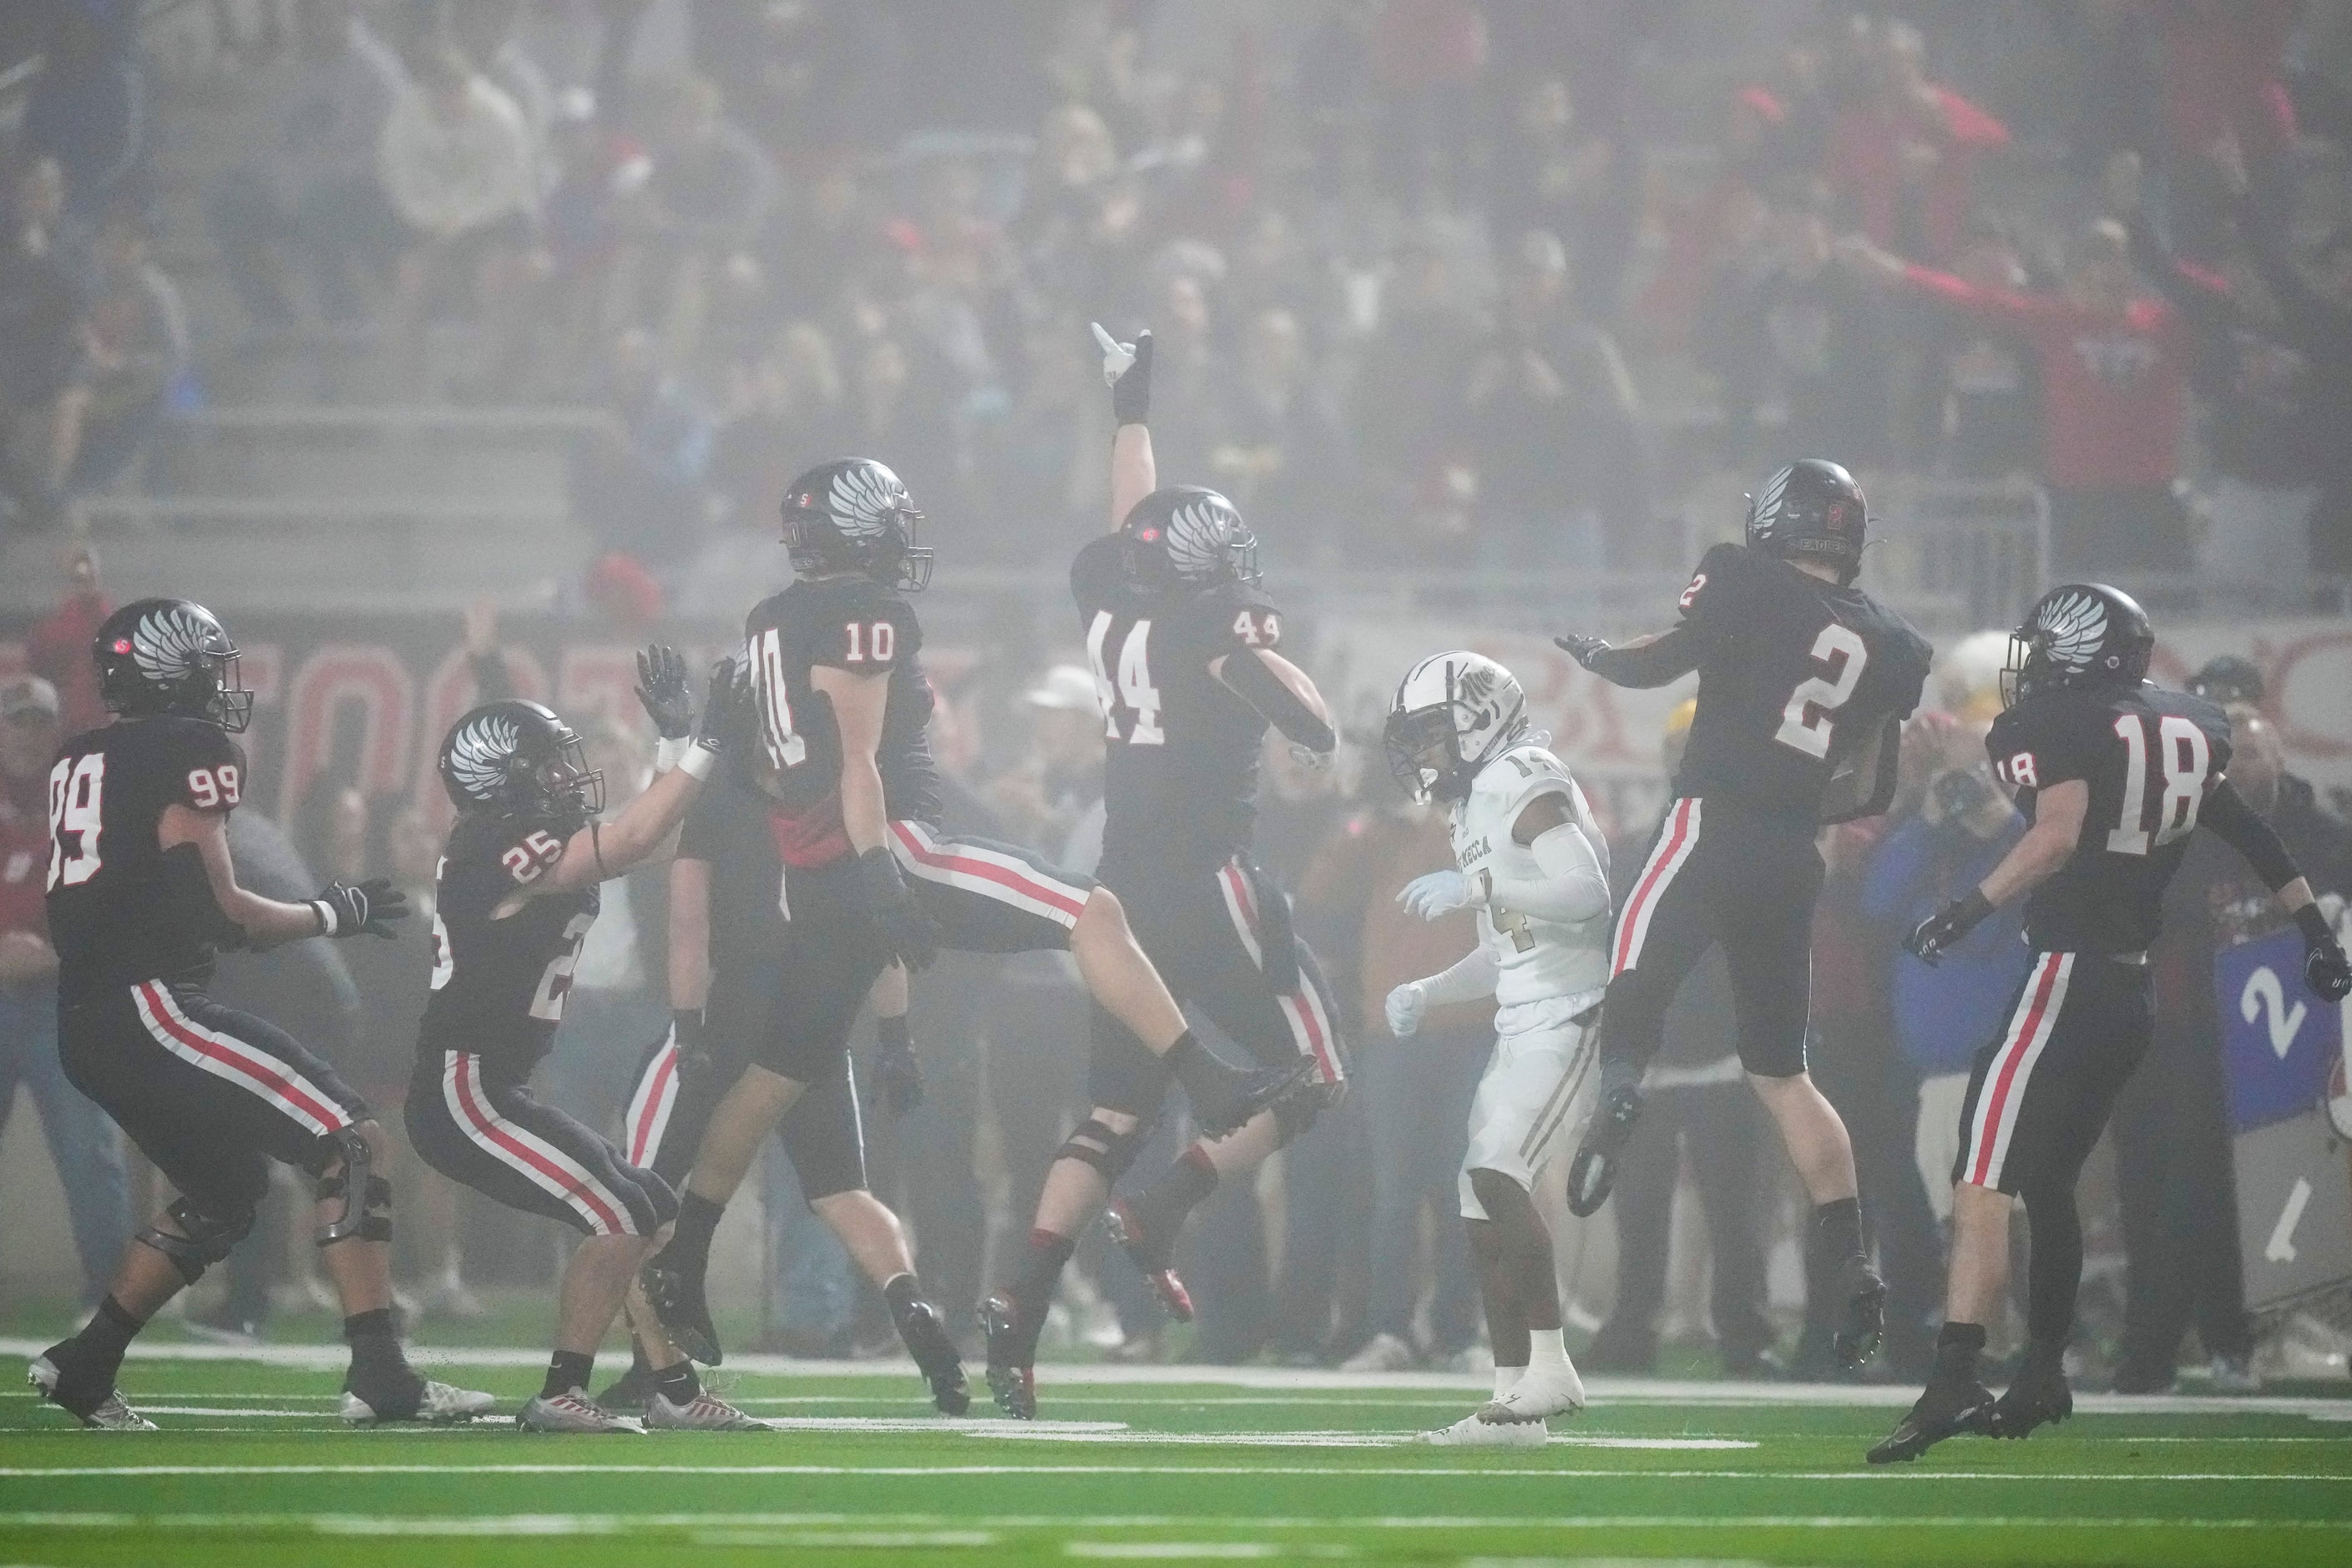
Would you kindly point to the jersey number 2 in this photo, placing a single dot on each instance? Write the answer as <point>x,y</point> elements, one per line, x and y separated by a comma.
<point>2182,758</point>
<point>1807,722</point>
<point>76,790</point>
<point>1132,689</point>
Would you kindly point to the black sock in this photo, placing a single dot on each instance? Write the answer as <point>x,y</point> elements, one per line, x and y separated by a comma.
<point>678,1384</point>
<point>1956,1349</point>
<point>1164,1205</point>
<point>1040,1271</point>
<point>568,1370</point>
<point>1837,1229</point>
<point>2053,1273</point>
<point>697,1222</point>
<point>375,1344</point>
<point>904,1293</point>
<point>97,1351</point>
<point>1193,1062</point>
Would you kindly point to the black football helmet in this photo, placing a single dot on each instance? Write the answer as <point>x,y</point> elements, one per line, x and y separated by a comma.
<point>854,514</point>
<point>1185,536</point>
<point>515,758</point>
<point>171,656</point>
<point>1811,508</point>
<point>2080,633</point>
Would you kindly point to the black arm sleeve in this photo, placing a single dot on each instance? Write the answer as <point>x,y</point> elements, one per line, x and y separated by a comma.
<point>2227,814</point>
<point>1247,676</point>
<point>1673,656</point>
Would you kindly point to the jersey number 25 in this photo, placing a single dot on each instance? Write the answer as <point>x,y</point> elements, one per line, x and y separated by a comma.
<point>1809,719</point>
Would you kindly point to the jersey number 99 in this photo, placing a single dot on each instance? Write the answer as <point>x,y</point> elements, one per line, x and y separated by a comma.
<point>77,795</point>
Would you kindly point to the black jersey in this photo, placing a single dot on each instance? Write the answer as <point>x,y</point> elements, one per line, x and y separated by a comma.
<point>735,830</point>
<point>1796,676</point>
<point>856,624</point>
<point>2149,756</point>
<point>117,914</point>
<point>1179,782</point>
<point>499,985</point>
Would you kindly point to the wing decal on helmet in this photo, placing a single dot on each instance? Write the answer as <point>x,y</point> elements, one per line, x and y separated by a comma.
<point>2073,626</point>
<point>167,641</point>
<point>1767,502</point>
<point>862,502</point>
<point>479,753</point>
<point>1198,532</point>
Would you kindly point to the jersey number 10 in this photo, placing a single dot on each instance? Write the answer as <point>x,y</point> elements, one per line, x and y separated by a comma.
<point>1132,690</point>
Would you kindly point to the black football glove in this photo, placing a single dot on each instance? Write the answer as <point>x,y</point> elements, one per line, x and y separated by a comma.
<point>1127,367</point>
<point>893,1073</point>
<point>906,931</point>
<point>1582,649</point>
<point>661,686</point>
<point>726,714</point>
<point>2324,968</point>
<point>1933,937</point>
<point>686,1030</point>
<point>372,907</point>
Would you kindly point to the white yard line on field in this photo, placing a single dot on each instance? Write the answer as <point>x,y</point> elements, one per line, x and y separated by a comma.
<point>54,1472</point>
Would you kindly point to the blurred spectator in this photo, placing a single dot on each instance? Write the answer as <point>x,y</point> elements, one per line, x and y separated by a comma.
<point>44,345</point>
<point>2221,68</point>
<point>637,479</point>
<point>1723,222</point>
<point>138,350</point>
<point>56,647</point>
<point>1547,171</point>
<point>2174,1166</point>
<point>1945,1011</point>
<point>1052,799</point>
<point>88,107</point>
<point>784,410</point>
<point>312,192</point>
<point>712,188</point>
<point>1696,1108</point>
<point>83,1142</point>
<point>1988,422</point>
<point>1279,454</point>
<point>1403,417</point>
<point>1903,150</point>
<point>1552,424</point>
<point>2114,382</point>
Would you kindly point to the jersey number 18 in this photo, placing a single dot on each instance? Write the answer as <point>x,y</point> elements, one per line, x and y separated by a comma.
<point>2182,758</point>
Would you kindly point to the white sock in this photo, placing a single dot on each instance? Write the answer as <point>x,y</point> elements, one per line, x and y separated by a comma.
<point>1546,1349</point>
<point>1504,1377</point>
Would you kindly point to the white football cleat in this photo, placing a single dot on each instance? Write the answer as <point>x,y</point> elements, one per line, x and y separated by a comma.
<point>706,1412</point>
<point>573,1412</point>
<point>1541,1391</point>
<point>441,1405</point>
<point>111,1413</point>
<point>1471,1432</point>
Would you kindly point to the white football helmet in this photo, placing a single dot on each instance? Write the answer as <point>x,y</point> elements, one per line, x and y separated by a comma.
<point>1454,713</point>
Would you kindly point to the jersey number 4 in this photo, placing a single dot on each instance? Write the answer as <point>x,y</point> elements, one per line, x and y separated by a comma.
<point>77,792</point>
<point>1809,719</point>
<point>1132,688</point>
<point>2182,758</point>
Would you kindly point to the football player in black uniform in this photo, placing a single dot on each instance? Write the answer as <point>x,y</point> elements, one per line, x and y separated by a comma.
<point>727,930</point>
<point>141,894</point>
<point>868,878</point>
<point>1182,642</point>
<point>1804,680</point>
<point>519,888</point>
<point>2114,776</point>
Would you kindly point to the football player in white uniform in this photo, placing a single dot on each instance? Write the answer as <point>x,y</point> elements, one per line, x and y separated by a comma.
<point>1534,865</point>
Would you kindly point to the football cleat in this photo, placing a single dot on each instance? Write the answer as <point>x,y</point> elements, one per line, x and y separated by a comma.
<point>107,1412</point>
<point>1011,1374</point>
<point>633,1390</point>
<point>1474,1432</point>
<point>1944,1410</point>
<point>706,1412</point>
<point>573,1412</point>
<point>1540,1392</point>
<point>434,1404</point>
<point>1864,1321</point>
<point>1594,1170</point>
<point>1244,1093</point>
<point>2037,1396</point>
<point>1125,1228</point>
<point>680,1305</point>
<point>935,1354</point>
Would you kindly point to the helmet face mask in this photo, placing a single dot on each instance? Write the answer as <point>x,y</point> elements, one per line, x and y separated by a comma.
<point>1453,713</point>
<point>854,515</point>
<point>171,656</point>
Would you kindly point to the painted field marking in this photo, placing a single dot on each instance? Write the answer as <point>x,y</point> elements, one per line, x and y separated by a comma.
<point>899,1540</point>
<point>1163,1550</point>
<point>52,1472</point>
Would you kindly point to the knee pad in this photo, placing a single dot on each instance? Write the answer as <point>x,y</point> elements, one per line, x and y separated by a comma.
<point>1294,1113</point>
<point>366,1197</point>
<point>207,1240</point>
<point>1110,1153</point>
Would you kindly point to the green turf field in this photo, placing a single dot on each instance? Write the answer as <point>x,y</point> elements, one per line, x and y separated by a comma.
<point>251,1468</point>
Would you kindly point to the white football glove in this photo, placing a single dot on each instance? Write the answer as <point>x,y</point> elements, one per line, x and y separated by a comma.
<point>1407,1005</point>
<point>1116,355</point>
<point>1437,894</point>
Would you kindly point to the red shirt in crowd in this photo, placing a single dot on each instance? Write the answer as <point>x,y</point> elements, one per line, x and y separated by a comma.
<point>58,649</point>
<point>1864,163</point>
<point>2114,386</point>
<point>2222,74</point>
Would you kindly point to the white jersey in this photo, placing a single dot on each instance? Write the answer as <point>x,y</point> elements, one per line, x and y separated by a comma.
<point>1537,960</point>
